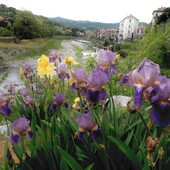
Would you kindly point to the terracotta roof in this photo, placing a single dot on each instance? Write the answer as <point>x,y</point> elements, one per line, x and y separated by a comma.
<point>141,27</point>
<point>162,9</point>
<point>130,16</point>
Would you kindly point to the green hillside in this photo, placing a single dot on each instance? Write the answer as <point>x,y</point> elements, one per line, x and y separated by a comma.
<point>88,24</point>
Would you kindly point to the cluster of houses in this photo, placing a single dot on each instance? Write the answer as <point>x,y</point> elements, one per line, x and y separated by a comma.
<point>129,28</point>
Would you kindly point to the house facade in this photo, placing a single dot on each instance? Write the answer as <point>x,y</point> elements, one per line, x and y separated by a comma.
<point>107,34</point>
<point>156,14</point>
<point>140,32</point>
<point>128,28</point>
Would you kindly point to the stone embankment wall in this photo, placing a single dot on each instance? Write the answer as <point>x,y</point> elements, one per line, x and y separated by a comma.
<point>10,39</point>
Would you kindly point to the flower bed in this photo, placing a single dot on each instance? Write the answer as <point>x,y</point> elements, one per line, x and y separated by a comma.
<point>67,117</point>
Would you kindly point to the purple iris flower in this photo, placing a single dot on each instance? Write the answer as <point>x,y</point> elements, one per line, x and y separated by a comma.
<point>95,91</point>
<point>62,71</point>
<point>126,80</point>
<point>106,59</point>
<point>27,70</point>
<point>87,125</point>
<point>24,92</point>
<point>30,100</point>
<point>97,79</point>
<point>159,96</point>
<point>146,74</point>
<point>4,106</point>
<point>79,79</point>
<point>5,109</point>
<point>54,56</point>
<point>11,89</point>
<point>58,101</point>
<point>143,77</point>
<point>20,128</point>
<point>27,99</point>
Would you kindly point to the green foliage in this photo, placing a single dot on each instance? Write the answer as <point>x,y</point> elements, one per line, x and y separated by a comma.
<point>26,25</point>
<point>154,46</point>
<point>7,12</point>
<point>122,145</point>
<point>4,32</point>
<point>90,62</point>
<point>55,145</point>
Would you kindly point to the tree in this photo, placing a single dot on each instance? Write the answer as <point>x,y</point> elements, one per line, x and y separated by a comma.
<point>26,25</point>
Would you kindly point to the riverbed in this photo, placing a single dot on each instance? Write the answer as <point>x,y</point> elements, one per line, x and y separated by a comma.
<point>68,48</point>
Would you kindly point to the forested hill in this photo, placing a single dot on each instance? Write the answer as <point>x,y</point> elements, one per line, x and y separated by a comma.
<point>88,24</point>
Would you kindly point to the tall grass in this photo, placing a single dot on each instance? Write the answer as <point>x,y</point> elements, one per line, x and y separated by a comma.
<point>30,48</point>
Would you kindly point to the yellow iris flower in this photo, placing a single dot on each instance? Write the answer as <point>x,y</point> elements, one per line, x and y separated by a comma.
<point>76,100</point>
<point>118,56</point>
<point>69,60</point>
<point>44,66</point>
<point>52,81</point>
<point>71,81</point>
<point>21,73</point>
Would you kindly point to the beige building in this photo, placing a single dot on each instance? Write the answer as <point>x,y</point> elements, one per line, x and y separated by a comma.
<point>140,32</point>
<point>156,14</point>
<point>128,27</point>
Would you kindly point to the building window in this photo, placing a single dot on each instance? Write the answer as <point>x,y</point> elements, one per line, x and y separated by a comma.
<point>130,20</point>
<point>128,31</point>
<point>129,26</point>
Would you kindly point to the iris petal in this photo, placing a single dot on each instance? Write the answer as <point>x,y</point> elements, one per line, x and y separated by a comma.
<point>93,96</point>
<point>113,68</point>
<point>81,135</point>
<point>14,138</point>
<point>103,94</point>
<point>53,107</point>
<point>73,86</point>
<point>160,113</point>
<point>95,134</point>
<point>30,134</point>
<point>125,80</point>
<point>5,109</point>
<point>138,97</point>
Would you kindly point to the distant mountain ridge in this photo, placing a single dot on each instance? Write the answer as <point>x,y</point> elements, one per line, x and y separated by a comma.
<point>89,24</point>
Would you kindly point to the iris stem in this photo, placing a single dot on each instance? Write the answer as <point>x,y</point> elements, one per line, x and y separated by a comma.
<point>140,115</point>
<point>63,85</point>
<point>97,117</point>
<point>8,130</point>
<point>112,105</point>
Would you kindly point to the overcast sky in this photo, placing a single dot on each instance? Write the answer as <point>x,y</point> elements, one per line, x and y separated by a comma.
<point>107,11</point>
